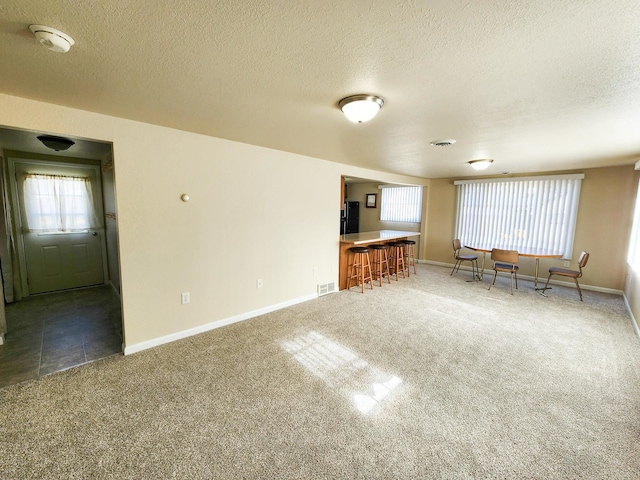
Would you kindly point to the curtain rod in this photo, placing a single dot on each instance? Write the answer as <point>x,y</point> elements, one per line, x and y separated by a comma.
<point>574,176</point>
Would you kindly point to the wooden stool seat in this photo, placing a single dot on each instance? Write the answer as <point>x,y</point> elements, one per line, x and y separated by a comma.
<point>359,267</point>
<point>380,262</point>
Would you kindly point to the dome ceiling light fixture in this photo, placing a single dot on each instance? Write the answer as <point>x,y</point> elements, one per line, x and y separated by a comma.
<point>360,108</point>
<point>56,143</point>
<point>443,143</point>
<point>52,39</point>
<point>480,164</point>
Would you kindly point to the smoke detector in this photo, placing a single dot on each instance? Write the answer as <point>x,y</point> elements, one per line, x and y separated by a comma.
<point>51,38</point>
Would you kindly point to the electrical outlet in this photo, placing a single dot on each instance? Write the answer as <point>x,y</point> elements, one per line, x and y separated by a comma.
<point>185,298</point>
<point>566,263</point>
<point>259,283</point>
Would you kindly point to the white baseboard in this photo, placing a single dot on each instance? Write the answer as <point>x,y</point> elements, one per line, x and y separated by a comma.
<point>129,349</point>
<point>592,288</point>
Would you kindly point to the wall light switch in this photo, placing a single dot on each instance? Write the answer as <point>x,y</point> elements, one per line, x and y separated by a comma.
<point>259,283</point>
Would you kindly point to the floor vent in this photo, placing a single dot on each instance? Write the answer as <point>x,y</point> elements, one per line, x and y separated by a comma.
<point>325,288</point>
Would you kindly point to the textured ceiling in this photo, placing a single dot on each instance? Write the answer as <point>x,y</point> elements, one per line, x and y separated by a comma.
<point>537,86</point>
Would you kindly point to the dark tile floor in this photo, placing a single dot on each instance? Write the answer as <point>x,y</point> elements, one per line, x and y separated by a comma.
<point>53,332</point>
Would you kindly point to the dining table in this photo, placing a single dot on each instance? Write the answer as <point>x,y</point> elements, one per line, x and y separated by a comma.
<point>532,252</point>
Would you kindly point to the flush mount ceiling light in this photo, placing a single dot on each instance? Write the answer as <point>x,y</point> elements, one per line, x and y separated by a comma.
<point>481,164</point>
<point>51,38</point>
<point>443,143</point>
<point>360,108</point>
<point>56,143</point>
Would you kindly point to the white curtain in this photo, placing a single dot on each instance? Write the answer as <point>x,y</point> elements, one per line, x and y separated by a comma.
<point>401,204</point>
<point>537,212</point>
<point>56,204</point>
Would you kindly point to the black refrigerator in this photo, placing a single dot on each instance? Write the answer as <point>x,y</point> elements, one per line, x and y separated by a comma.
<point>350,218</point>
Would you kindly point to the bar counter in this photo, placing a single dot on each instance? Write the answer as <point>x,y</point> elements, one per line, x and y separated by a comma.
<point>363,239</point>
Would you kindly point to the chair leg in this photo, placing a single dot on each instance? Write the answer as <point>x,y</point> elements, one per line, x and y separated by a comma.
<point>350,273</point>
<point>454,267</point>
<point>394,256</point>
<point>495,274</point>
<point>413,258</point>
<point>546,285</point>
<point>516,275</point>
<point>386,263</point>
<point>512,275</point>
<point>370,273</point>
<point>405,257</point>
<point>579,291</point>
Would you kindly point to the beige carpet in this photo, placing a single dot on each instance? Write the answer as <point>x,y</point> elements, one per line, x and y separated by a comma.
<point>430,377</point>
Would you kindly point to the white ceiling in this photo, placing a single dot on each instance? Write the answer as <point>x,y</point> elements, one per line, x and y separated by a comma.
<point>537,86</point>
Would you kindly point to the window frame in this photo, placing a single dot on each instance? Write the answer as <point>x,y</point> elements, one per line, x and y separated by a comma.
<point>413,216</point>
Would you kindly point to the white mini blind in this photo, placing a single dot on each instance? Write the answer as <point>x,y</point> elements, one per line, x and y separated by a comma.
<point>536,212</point>
<point>401,204</point>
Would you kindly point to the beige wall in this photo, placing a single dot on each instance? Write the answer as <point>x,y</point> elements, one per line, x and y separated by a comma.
<point>253,214</point>
<point>603,225</point>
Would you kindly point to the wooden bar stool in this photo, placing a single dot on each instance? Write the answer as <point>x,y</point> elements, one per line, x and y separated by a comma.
<point>380,262</point>
<point>410,255</point>
<point>359,266</point>
<point>397,258</point>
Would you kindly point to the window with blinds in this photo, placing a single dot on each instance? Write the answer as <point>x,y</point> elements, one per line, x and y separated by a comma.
<point>521,212</point>
<point>401,204</point>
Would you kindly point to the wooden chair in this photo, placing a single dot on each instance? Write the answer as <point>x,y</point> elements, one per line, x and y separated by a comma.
<point>473,259</point>
<point>565,272</point>
<point>505,261</point>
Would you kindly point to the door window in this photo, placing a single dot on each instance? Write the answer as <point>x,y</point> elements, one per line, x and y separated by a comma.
<point>59,204</point>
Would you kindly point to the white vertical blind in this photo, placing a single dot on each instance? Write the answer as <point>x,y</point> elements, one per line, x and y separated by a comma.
<point>520,212</point>
<point>56,203</point>
<point>401,204</point>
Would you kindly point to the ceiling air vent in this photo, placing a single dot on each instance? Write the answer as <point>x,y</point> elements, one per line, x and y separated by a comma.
<point>443,143</point>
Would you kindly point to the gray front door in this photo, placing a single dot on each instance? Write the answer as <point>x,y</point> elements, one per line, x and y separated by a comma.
<point>60,261</point>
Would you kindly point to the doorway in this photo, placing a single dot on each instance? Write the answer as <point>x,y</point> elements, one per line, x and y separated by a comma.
<point>65,324</point>
<point>60,240</point>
